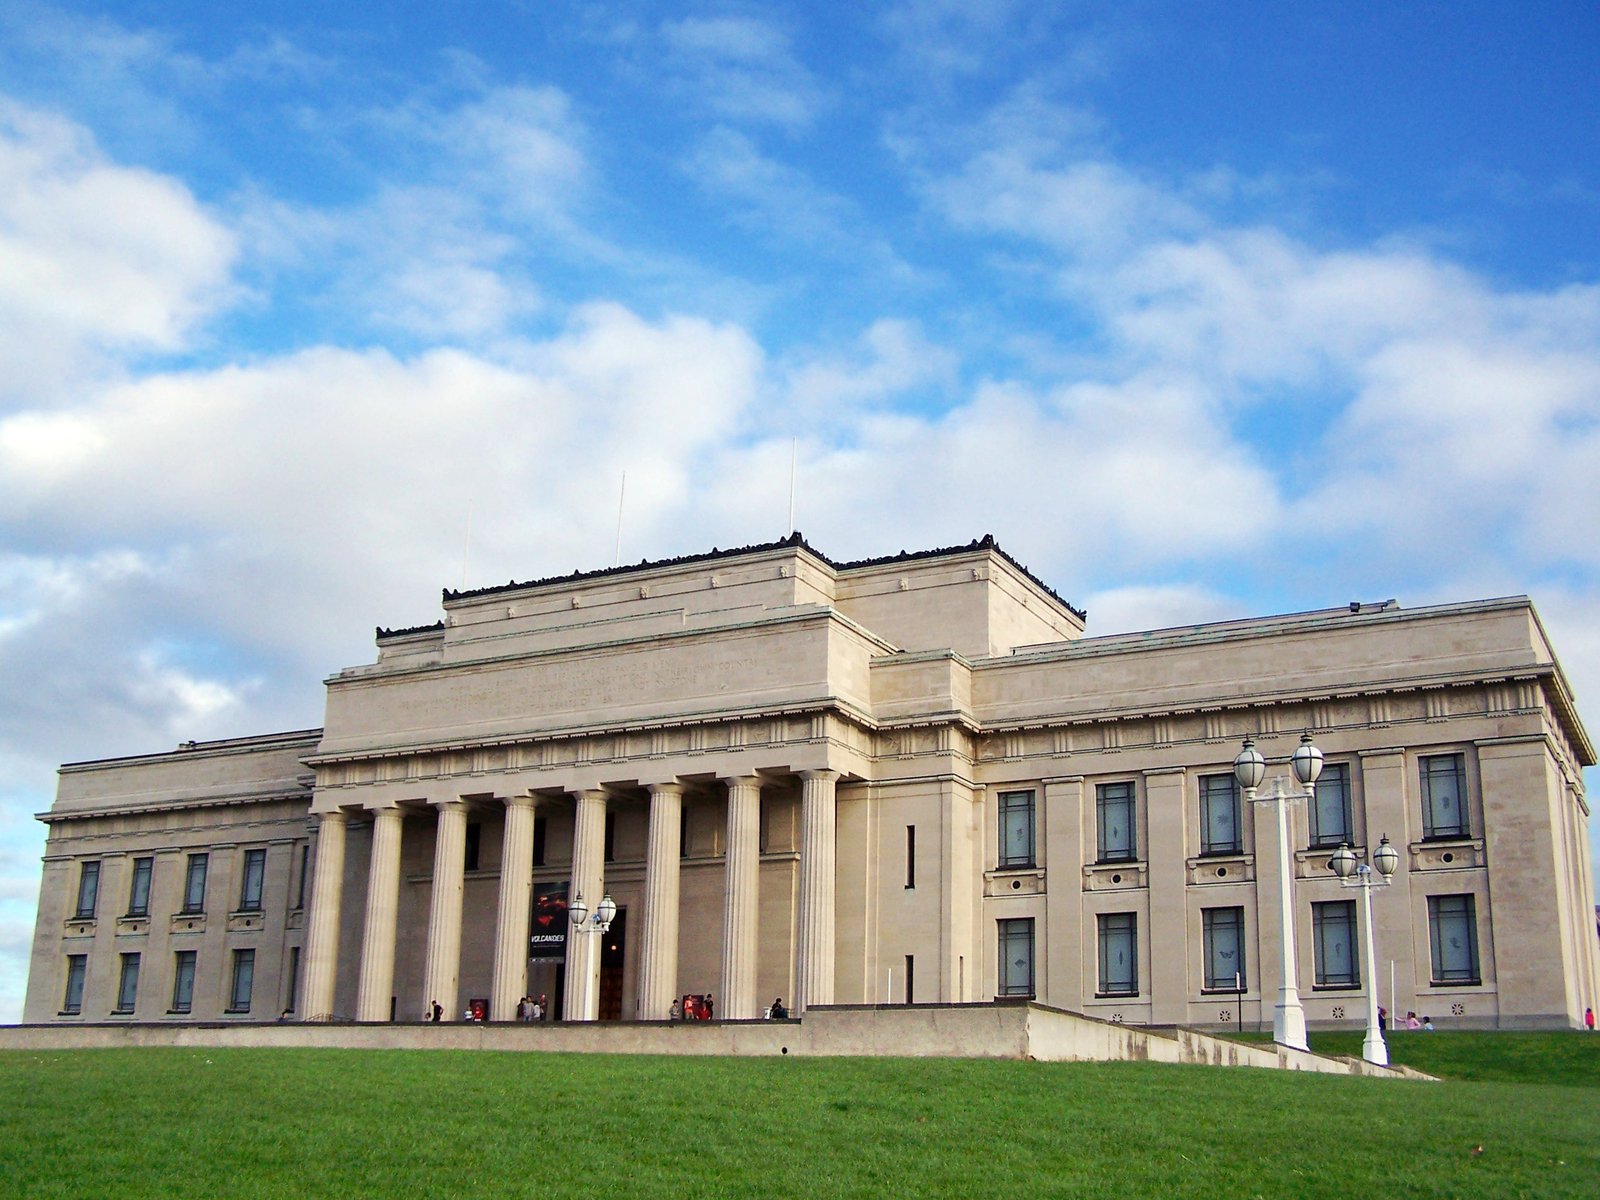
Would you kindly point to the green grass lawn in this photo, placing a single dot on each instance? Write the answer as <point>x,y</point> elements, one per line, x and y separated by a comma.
<point>240,1123</point>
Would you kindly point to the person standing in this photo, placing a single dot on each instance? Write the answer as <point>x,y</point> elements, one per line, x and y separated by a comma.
<point>436,1012</point>
<point>1588,1019</point>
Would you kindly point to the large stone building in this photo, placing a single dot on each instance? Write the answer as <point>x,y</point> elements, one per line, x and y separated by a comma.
<point>907,779</point>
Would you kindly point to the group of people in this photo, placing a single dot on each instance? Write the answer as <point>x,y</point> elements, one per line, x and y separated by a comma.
<point>1412,1021</point>
<point>703,1008</point>
<point>530,1009</point>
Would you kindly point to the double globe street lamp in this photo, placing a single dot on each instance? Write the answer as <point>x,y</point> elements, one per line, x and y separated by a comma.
<point>1353,873</point>
<point>595,925</point>
<point>1249,769</point>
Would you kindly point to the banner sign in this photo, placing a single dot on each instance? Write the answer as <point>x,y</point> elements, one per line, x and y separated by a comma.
<point>549,929</point>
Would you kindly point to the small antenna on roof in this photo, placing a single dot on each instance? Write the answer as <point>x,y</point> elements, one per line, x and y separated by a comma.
<point>794,453</point>
<point>622,493</point>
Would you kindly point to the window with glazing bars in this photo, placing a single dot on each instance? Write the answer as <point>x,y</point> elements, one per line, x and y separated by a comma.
<point>88,889</point>
<point>1016,829</point>
<point>1453,932</point>
<point>1223,945</point>
<point>255,874</point>
<point>1444,796</point>
<point>1113,805</point>
<point>1329,810</point>
<point>1333,935</point>
<point>1119,954</point>
<point>1219,815</point>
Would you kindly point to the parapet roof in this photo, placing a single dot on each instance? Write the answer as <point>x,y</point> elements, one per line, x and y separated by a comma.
<point>795,541</point>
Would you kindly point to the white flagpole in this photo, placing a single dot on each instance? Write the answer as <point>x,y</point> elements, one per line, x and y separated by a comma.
<point>622,493</point>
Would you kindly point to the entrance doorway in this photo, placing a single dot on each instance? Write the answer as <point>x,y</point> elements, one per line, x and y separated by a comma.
<point>613,948</point>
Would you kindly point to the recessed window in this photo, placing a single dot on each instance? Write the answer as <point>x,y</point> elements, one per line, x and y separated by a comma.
<point>610,853</point>
<point>1223,946</point>
<point>183,981</point>
<point>1219,815</point>
<point>1016,956</point>
<point>474,843</point>
<point>911,856</point>
<point>1453,933</point>
<point>1016,829</point>
<point>139,890</point>
<point>539,824</point>
<point>305,869</point>
<point>1119,954</point>
<point>911,978</point>
<point>244,978</point>
<point>88,890</point>
<point>1333,934</point>
<point>77,970</point>
<point>1444,796</point>
<point>1329,810</point>
<point>293,980</point>
<point>1113,807</point>
<point>194,884</point>
<point>128,984</point>
<point>255,875</point>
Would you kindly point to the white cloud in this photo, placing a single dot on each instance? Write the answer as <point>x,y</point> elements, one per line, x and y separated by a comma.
<point>741,69</point>
<point>95,257</point>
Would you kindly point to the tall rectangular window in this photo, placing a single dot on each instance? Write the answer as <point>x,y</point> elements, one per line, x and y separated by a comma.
<point>1119,954</point>
<point>1219,815</point>
<point>610,854</point>
<point>139,891</point>
<point>305,869</point>
<point>128,984</point>
<point>255,875</point>
<point>539,824</point>
<point>194,884</point>
<point>1333,934</point>
<point>1224,948</point>
<point>1113,808</point>
<point>1016,956</point>
<point>1016,829</point>
<point>294,979</point>
<point>77,969</point>
<point>244,978</point>
<point>473,843</point>
<point>911,856</point>
<point>911,978</point>
<point>1453,932</point>
<point>1444,796</point>
<point>183,981</point>
<point>88,889</point>
<point>1329,810</point>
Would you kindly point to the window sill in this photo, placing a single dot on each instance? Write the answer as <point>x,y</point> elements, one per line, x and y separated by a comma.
<point>179,1012</point>
<point>1227,991</point>
<point>236,1012</point>
<point>1133,995</point>
<point>1455,983</point>
<point>70,1012</point>
<point>1335,987</point>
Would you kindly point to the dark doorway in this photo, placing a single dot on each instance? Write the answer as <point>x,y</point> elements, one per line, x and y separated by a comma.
<point>613,948</point>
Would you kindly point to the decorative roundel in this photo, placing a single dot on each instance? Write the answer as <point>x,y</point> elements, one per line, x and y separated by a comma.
<point>1338,1012</point>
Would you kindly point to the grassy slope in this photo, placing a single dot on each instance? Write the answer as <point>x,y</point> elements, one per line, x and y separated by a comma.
<point>332,1123</point>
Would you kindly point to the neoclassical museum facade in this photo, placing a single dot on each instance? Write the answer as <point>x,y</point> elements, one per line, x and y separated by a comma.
<point>904,780</point>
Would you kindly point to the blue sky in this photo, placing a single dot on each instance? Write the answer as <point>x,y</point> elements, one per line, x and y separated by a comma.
<point>1204,310</point>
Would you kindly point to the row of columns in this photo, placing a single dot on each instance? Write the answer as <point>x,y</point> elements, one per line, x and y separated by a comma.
<point>659,943</point>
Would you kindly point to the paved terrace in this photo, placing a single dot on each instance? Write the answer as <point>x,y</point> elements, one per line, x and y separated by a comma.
<point>1017,1031</point>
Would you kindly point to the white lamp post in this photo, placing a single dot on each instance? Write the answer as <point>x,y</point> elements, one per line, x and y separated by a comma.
<point>596,925</point>
<point>1354,873</point>
<point>1288,1018</point>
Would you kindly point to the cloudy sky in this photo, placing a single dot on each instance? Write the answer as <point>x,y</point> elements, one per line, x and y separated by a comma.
<point>1203,309</point>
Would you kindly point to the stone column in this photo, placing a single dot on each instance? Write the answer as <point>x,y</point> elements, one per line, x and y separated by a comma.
<point>658,976</point>
<point>1167,816</point>
<point>510,980</point>
<point>741,902</point>
<point>815,975</point>
<point>322,938</point>
<point>383,903</point>
<point>442,980</point>
<point>583,949</point>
